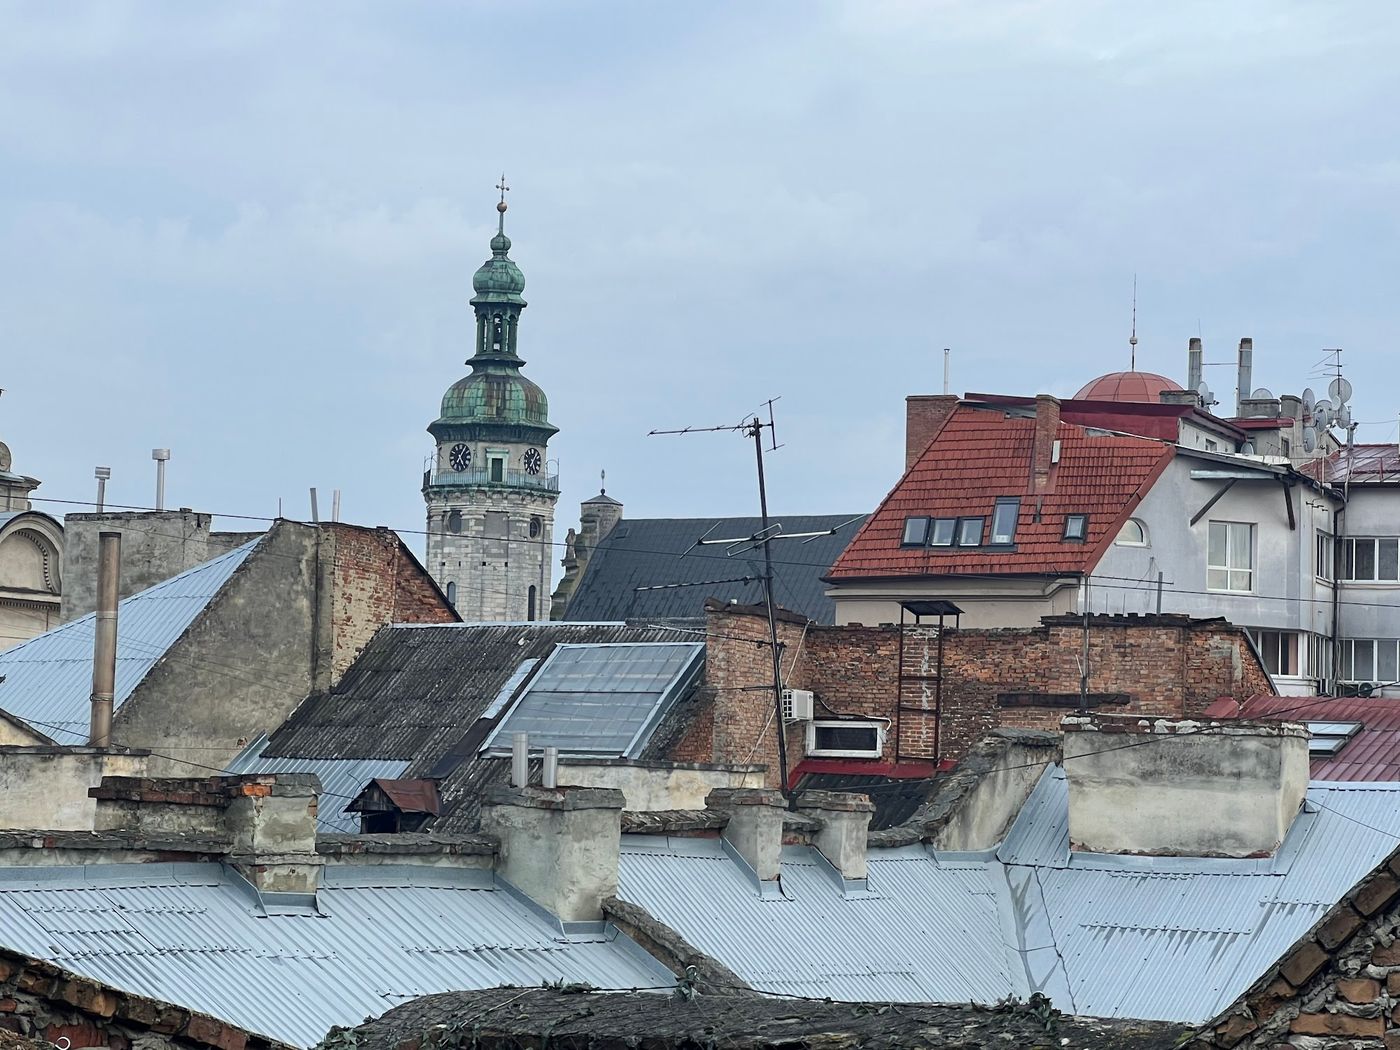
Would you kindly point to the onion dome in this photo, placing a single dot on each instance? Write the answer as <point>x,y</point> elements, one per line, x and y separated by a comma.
<point>499,280</point>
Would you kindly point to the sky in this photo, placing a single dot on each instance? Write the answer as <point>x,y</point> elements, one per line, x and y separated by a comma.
<point>246,232</point>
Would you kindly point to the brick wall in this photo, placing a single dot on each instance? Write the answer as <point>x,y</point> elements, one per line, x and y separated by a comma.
<point>1025,678</point>
<point>1338,987</point>
<point>375,581</point>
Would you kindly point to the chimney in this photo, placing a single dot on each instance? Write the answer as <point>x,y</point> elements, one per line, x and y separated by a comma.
<point>559,846</point>
<point>1244,383</point>
<point>845,823</point>
<point>104,640</point>
<point>755,828</point>
<point>1045,451</point>
<point>925,415</point>
<point>1195,365</point>
<point>1194,789</point>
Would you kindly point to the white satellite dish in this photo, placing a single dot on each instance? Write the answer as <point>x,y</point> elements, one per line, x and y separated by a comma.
<point>1322,413</point>
<point>1340,389</point>
<point>1309,439</point>
<point>1343,417</point>
<point>1204,393</point>
<point>1309,401</point>
<point>1247,449</point>
<point>1262,394</point>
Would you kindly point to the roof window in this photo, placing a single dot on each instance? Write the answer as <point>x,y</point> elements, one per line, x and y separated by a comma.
<point>1327,738</point>
<point>970,532</point>
<point>1008,509</point>
<point>1076,527</point>
<point>915,532</point>
<point>944,532</point>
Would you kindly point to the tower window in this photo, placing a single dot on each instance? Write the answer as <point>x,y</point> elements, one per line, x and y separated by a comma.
<point>454,521</point>
<point>498,468</point>
<point>496,332</point>
<point>536,527</point>
<point>530,604</point>
<point>452,593</point>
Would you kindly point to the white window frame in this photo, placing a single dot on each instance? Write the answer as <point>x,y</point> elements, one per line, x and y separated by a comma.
<point>1274,646</point>
<point>1349,548</point>
<point>1232,572</point>
<point>1348,670</point>
<point>828,723</point>
<point>1119,541</point>
<point>1324,557</point>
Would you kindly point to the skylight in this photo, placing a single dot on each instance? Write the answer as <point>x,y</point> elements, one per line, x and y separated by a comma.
<point>1327,738</point>
<point>600,699</point>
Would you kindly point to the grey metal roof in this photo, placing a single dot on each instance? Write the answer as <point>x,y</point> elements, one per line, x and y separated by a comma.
<point>1153,938</point>
<point>342,779</point>
<point>651,552</point>
<point>48,679</point>
<point>197,936</point>
<point>600,699</point>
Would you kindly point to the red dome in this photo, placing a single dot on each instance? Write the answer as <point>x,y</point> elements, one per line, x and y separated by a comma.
<point>1127,386</point>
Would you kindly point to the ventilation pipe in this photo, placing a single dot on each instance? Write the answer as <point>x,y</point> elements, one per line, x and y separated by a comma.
<point>160,455</point>
<point>1195,365</point>
<point>101,474</point>
<point>104,642</point>
<point>315,512</point>
<point>519,760</point>
<point>1246,375</point>
<point>549,777</point>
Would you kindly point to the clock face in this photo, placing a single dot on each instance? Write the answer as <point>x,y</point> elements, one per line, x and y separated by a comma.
<point>533,462</point>
<point>460,456</point>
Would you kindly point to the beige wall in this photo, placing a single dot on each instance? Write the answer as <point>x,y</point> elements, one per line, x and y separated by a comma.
<point>650,789</point>
<point>995,603</point>
<point>46,788</point>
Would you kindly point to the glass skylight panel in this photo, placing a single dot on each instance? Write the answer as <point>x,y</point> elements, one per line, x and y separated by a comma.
<point>600,699</point>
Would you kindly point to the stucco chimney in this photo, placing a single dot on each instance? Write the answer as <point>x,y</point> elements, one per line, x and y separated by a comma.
<point>1245,377</point>
<point>1196,789</point>
<point>755,828</point>
<point>1047,425</point>
<point>559,846</point>
<point>925,415</point>
<point>1195,364</point>
<point>845,823</point>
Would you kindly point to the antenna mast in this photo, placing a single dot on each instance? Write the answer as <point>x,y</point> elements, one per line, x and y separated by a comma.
<point>1132,339</point>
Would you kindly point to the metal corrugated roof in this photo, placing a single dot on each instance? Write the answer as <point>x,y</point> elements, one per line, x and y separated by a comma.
<point>661,553</point>
<point>48,679</point>
<point>1152,938</point>
<point>342,779</point>
<point>194,935</point>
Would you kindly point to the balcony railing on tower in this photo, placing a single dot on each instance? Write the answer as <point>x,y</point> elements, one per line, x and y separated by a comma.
<point>515,478</point>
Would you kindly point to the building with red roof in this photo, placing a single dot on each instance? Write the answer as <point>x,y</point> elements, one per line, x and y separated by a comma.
<point>1127,386</point>
<point>1352,738</point>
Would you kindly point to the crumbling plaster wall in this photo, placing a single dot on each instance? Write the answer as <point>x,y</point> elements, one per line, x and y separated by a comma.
<point>44,787</point>
<point>649,787</point>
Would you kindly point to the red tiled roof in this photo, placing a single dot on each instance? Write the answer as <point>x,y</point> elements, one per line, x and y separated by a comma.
<point>1372,755</point>
<point>980,455</point>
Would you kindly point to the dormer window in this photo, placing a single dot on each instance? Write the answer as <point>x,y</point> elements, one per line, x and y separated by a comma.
<point>1004,521</point>
<point>1076,527</point>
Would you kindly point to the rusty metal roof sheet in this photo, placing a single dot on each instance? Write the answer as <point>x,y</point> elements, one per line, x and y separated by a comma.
<point>48,679</point>
<point>197,936</point>
<point>1372,754</point>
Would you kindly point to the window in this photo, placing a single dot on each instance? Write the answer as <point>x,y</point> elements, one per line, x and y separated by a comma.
<point>1320,657</point>
<point>915,532</point>
<point>1324,567</point>
<point>1230,556</point>
<point>536,527</point>
<point>1370,660</point>
<point>1327,738</point>
<point>845,739</point>
<point>1004,520</point>
<point>498,468</point>
<point>970,532</point>
<point>1371,559</point>
<point>530,603</point>
<point>943,532</point>
<point>1278,649</point>
<point>451,594</point>
<point>454,521</point>
<point>1211,446</point>
<point>1076,527</point>
<point>1132,534</point>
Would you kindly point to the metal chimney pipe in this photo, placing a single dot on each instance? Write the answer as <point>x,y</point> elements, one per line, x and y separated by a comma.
<point>101,474</point>
<point>315,514</point>
<point>335,505</point>
<point>550,775</point>
<point>1195,364</point>
<point>1246,374</point>
<point>160,455</point>
<point>104,642</point>
<point>520,760</point>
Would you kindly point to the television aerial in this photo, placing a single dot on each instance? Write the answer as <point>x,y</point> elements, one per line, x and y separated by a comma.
<point>1340,389</point>
<point>1309,439</point>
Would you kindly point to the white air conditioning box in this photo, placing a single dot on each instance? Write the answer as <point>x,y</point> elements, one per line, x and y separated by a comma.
<point>797,705</point>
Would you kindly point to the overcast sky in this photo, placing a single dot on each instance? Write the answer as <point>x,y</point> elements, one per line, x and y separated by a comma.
<point>247,232</point>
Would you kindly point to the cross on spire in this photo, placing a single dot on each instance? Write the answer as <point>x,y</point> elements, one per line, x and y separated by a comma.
<point>503,187</point>
<point>501,208</point>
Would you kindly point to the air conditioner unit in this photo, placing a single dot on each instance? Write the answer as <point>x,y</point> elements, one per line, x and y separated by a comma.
<point>1356,689</point>
<point>797,705</point>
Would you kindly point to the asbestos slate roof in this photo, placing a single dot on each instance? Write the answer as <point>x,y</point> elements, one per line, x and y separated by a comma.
<point>428,697</point>
<point>1153,938</point>
<point>983,454</point>
<point>48,679</point>
<point>652,552</point>
<point>198,936</point>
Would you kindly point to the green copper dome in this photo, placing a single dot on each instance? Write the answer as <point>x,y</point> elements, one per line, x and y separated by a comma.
<point>495,397</point>
<point>499,280</point>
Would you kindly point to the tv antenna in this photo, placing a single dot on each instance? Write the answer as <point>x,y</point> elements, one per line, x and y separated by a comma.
<point>768,532</point>
<point>1132,339</point>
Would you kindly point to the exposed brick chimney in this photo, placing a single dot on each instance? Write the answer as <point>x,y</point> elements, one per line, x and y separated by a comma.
<point>1043,452</point>
<point>925,415</point>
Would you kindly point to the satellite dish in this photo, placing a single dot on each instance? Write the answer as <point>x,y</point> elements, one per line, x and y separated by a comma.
<point>1322,413</point>
<point>1309,439</point>
<point>1262,394</point>
<point>1204,393</point>
<point>1309,401</point>
<point>1340,389</point>
<point>1247,449</point>
<point>1343,416</point>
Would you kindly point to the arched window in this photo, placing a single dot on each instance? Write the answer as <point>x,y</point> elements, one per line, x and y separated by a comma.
<point>1132,534</point>
<point>530,604</point>
<point>451,594</point>
<point>454,521</point>
<point>536,527</point>
<point>496,337</point>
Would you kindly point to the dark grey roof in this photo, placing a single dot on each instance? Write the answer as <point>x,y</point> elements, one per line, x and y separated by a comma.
<point>650,552</point>
<point>896,799</point>
<point>426,695</point>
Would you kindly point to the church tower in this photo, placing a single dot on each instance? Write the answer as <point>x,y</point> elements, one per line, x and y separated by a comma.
<point>489,491</point>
